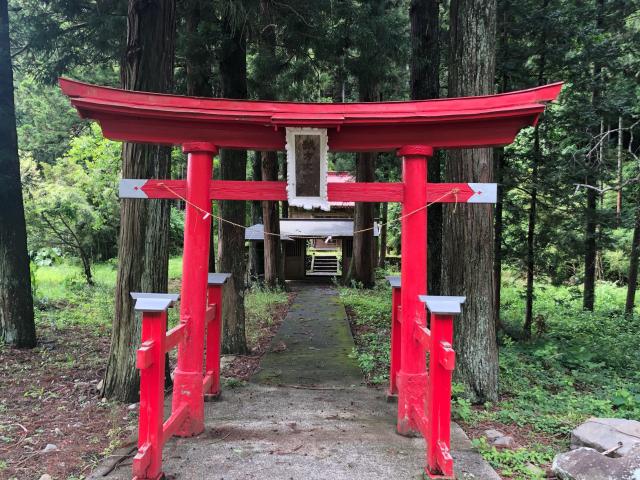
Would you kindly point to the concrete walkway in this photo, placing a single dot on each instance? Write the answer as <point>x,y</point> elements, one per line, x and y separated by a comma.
<point>306,415</point>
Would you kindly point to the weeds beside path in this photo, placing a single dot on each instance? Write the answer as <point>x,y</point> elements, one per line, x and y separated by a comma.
<point>579,364</point>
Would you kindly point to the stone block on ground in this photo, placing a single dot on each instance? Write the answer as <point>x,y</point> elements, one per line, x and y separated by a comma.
<point>588,464</point>
<point>604,434</point>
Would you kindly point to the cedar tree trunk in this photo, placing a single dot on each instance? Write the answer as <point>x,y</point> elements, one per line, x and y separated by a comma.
<point>233,164</point>
<point>382,256</point>
<point>632,284</point>
<point>468,251</point>
<point>17,326</point>
<point>143,253</point>
<point>425,84</point>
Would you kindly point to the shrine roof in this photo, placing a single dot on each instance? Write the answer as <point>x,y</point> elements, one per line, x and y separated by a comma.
<point>308,228</point>
<point>341,177</point>
<point>173,119</point>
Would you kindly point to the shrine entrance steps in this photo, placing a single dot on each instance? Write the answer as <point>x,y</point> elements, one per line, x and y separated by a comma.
<point>306,415</point>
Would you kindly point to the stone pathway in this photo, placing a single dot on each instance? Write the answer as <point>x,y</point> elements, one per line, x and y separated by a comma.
<point>306,415</point>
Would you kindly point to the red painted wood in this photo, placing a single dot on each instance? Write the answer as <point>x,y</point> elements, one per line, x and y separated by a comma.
<point>175,336</point>
<point>414,283</point>
<point>214,334</point>
<point>415,151</point>
<point>147,463</point>
<point>447,123</point>
<point>337,192</point>
<point>365,192</point>
<point>174,422</point>
<point>439,396</point>
<point>209,314</point>
<point>187,388</point>
<point>396,328</point>
<point>422,336</point>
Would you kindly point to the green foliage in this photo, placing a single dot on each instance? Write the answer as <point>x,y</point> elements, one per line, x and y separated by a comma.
<point>370,314</point>
<point>579,364</point>
<point>261,305</point>
<point>518,464</point>
<point>72,204</point>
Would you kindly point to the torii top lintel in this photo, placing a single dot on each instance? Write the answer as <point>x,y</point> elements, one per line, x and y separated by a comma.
<point>491,120</point>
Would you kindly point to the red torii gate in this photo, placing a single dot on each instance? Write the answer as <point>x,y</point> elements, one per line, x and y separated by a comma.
<point>202,126</point>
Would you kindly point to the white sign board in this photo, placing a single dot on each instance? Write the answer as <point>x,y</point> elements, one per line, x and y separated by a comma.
<point>307,167</point>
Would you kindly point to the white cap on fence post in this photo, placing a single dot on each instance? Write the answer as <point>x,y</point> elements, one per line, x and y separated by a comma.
<point>153,302</point>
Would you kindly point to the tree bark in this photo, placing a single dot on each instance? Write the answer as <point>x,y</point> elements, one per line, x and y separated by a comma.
<point>499,160</point>
<point>266,72</point>
<point>468,252</point>
<point>256,214</point>
<point>632,284</point>
<point>619,169</point>
<point>17,327</point>
<point>382,255</point>
<point>143,253</point>
<point>531,232</point>
<point>233,164</point>
<point>199,68</point>
<point>271,220</point>
<point>362,266</point>
<point>591,225</point>
<point>425,84</point>
<point>533,200</point>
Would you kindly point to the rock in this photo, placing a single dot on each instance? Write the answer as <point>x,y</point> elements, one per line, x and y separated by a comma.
<point>493,434</point>
<point>45,476</point>
<point>585,463</point>
<point>50,448</point>
<point>57,431</point>
<point>603,434</point>
<point>225,360</point>
<point>535,471</point>
<point>133,406</point>
<point>100,385</point>
<point>503,442</point>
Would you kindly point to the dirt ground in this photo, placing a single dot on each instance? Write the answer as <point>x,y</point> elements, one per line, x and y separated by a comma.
<point>49,397</point>
<point>52,419</point>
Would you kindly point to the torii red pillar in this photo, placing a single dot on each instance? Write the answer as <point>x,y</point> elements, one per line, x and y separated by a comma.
<point>187,383</point>
<point>412,377</point>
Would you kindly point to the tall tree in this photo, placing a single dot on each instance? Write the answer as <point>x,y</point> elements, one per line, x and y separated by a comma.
<point>267,67</point>
<point>375,36</point>
<point>425,84</point>
<point>233,164</point>
<point>17,326</point>
<point>468,252</point>
<point>535,167</point>
<point>143,254</point>
<point>199,59</point>
<point>591,181</point>
<point>632,284</point>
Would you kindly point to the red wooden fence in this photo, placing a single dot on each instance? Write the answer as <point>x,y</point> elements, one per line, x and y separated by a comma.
<point>430,408</point>
<point>153,430</point>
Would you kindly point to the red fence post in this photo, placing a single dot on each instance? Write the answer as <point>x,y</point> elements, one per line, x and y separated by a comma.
<point>147,464</point>
<point>396,327</point>
<point>412,377</point>
<point>216,282</point>
<point>441,365</point>
<point>187,387</point>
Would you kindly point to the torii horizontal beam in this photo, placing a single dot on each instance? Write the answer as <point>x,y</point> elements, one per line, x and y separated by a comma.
<point>485,121</point>
<point>337,192</point>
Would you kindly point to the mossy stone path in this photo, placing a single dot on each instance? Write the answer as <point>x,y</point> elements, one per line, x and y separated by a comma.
<point>313,344</point>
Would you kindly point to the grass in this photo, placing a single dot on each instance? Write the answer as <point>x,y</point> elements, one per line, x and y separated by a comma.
<point>260,304</point>
<point>579,364</point>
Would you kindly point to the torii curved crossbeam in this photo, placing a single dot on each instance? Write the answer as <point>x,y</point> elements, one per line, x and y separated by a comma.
<point>491,120</point>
